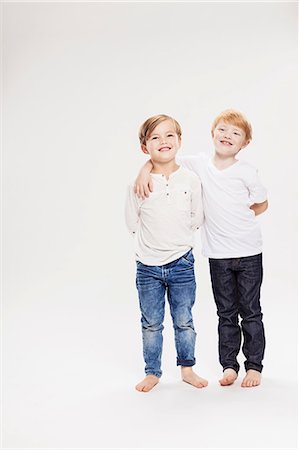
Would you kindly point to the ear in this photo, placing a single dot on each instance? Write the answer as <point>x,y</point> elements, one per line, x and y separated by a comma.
<point>144,149</point>
<point>245,144</point>
<point>180,142</point>
<point>212,133</point>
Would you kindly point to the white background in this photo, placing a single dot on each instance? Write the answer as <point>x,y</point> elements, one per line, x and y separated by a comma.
<point>78,80</point>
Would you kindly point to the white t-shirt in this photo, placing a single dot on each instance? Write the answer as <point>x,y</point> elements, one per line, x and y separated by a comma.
<point>163,224</point>
<point>230,229</point>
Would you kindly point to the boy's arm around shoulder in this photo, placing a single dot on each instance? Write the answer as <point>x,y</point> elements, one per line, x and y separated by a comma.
<point>131,210</point>
<point>143,183</point>
<point>191,162</point>
<point>197,215</point>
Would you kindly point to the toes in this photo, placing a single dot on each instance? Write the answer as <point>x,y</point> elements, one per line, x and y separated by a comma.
<point>227,381</point>
<point>250,382</point>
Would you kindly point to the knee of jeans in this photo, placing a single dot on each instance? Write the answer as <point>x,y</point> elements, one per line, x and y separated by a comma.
<point>229,315</point>
<point>152,327</point>
<point>183,325</point>
<point>250,316</point>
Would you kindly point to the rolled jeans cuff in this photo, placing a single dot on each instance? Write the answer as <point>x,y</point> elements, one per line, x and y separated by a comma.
<point>185,362</point>
<point>235,367</point>
<point>257,367</point>
<point>157,373</point>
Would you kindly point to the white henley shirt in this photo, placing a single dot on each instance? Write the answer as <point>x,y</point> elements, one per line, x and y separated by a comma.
<point>163,224</point>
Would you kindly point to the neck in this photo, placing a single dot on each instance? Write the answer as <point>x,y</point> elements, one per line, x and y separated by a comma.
<point>222,162</point>
<point>165,168</point>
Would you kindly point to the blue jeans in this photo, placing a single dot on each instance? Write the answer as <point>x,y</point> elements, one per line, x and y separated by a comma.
<point>177,280</point>
<point>236,284</point>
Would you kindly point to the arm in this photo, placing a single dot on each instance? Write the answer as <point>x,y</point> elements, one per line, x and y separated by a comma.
<point>131,211</point>
<point>197,216</point>
<point>259,208</point>
<point>191,162</point>
<point>257,194</point>
<point>143,183</point>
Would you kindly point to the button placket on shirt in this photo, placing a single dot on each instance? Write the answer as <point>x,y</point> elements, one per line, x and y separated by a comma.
<point>166,188</point>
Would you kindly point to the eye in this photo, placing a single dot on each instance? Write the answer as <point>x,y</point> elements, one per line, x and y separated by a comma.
<point>154,137</point>
<point>170,135</point>
<point>221,129</point>
<point>238,134</point>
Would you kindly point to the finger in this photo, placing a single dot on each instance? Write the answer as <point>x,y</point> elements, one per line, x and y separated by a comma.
<point>142,193</point>
<point>151,185</point>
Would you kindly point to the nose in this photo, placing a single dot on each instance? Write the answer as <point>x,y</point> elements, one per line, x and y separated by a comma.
<point>227,135</point>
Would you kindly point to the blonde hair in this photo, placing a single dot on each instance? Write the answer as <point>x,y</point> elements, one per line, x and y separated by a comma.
<point>150,124</point>
<point>236,118</point>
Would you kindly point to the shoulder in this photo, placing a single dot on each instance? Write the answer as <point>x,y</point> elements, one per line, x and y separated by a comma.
<point>194,159</point>
<point>246,166</point>
<point>187,173</point>
<point>249,173</point>
<point>191,177</point>
<point>202,160</point>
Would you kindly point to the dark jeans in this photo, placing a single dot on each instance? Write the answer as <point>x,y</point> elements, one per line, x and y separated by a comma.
<point>177,281</point>
<point>236,284</point>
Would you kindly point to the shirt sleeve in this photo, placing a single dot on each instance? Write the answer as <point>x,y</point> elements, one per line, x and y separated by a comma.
<point>132,210</point>
<point>191,162</point>
<point>197,215</point>
<point>257,192</point>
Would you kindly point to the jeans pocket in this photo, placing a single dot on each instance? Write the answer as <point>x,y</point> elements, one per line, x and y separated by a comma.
<point>188,258</point>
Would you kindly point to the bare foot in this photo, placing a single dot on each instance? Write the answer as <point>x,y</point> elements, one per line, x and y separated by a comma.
<point>252,378</point>
<point>229,377</point>
<point>147,384</point>
<point>192,378</point>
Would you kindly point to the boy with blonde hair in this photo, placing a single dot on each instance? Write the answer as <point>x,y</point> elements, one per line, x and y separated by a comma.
<point>163,226</point>
<point>232,197</point>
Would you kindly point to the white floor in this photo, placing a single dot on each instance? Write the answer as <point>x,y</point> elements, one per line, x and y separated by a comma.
<point>70,366</point>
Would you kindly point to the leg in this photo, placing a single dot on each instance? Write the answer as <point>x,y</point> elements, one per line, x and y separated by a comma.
<point>181,296</point>
<point>226,297</point>
<point>151,291</point>
<point>249,284</point>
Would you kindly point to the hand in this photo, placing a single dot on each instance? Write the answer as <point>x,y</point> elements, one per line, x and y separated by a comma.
<point>143,185</point>
<point>259,208</point>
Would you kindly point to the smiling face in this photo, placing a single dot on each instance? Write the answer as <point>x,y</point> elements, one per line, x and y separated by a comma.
<point>228,139</point>
<point>163,142</point>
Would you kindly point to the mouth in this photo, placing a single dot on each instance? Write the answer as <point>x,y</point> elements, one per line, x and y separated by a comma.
<point>226,143</point>
<point>164,149</point>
